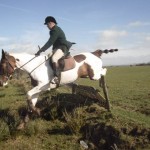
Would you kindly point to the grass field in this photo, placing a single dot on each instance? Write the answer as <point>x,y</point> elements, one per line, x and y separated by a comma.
<point>69,119</point>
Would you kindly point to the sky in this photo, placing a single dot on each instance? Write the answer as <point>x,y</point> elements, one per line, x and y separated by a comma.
<point>91,24</point>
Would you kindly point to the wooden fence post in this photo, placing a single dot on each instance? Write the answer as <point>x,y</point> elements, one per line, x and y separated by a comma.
<point>102,84</point>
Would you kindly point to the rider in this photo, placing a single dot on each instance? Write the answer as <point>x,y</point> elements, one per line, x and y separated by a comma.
<point>60,45</point>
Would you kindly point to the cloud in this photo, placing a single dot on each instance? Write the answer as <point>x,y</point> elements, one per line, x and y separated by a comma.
<point>133,47</point>
<point>125,60</point>
<point>138,24</point>
<point>109,34</point>
<point>27,42</point>
<point>110,38</point>
<point>4,39</point>
<point>3,42</point>
<point>22,47</point>
<point>147,38</point>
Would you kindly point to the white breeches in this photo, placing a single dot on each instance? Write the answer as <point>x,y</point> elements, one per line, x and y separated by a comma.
<point>57,55</point>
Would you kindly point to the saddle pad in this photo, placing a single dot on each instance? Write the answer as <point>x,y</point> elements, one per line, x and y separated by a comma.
<point>69,63</point>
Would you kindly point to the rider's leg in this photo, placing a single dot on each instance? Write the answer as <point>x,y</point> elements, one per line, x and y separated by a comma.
<point>56,56</point>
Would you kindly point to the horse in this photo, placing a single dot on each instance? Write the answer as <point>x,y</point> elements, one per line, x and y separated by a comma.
<point>86,64</point>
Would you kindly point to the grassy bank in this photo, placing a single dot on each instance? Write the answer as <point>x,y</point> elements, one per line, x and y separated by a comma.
<point>69,119</point>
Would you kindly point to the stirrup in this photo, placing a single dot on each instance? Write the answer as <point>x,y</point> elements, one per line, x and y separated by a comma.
<point>55,80</point>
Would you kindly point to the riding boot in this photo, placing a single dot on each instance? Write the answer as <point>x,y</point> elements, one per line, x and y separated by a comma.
<point>55,69</point>
<point>56,78</point>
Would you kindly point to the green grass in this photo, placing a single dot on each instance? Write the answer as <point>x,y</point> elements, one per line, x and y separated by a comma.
<point>67,118</point>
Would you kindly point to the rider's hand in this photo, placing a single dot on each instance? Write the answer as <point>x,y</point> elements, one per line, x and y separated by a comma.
<point>38,53</point>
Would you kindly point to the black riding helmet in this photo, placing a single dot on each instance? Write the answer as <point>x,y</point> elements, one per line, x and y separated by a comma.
<point>50,19</point>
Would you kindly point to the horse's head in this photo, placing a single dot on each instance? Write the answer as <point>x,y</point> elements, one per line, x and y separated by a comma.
<point>7,67</point>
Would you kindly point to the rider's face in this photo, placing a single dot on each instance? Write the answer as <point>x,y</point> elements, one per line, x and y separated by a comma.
<point>50,25</point>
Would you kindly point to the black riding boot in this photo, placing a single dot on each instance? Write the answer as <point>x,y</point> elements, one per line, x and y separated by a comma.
<point>56,74</point>
<point>56,69</point>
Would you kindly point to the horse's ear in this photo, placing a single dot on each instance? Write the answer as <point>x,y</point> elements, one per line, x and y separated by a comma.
<point>3,54</point>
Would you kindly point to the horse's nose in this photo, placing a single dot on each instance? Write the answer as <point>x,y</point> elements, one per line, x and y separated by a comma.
<point>3,84</point>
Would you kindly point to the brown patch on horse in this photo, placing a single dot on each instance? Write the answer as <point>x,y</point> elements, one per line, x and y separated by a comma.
<point>85,71</point>
<point>12,61</point>
<point>98,53</point>
<point>79,58</point>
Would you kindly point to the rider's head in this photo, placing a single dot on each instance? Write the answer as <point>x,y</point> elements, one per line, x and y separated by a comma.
<point>50,22</point>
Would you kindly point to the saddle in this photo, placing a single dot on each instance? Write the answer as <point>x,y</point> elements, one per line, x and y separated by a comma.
<point>65,63</point>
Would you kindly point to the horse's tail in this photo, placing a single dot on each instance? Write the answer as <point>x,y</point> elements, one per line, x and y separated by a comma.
<point>99,52</point>
<point>109,51</point>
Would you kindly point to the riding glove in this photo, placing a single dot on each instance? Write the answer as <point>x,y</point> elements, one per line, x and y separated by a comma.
<point>38,53</point>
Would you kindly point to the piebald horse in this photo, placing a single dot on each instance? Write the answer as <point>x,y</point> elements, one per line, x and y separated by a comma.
<point>87,64</point>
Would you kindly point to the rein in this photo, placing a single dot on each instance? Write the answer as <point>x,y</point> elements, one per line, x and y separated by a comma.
<point>35,67</point>
<point>39,65</point>
<point>8,76</point>
<point>17,73</point>
<point>27,62</point>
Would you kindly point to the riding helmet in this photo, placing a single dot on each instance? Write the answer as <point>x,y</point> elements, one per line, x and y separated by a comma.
<point>50,19</point>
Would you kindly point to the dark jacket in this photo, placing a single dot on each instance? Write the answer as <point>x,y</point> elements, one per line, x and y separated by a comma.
<point>57,40</point>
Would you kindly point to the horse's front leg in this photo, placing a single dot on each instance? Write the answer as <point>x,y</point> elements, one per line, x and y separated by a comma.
<point>32,97</point>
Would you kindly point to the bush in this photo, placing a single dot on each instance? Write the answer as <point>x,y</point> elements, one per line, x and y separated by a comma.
<point>75,120</point>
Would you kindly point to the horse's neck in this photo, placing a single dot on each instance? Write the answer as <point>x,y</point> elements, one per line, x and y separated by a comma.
<point>22,56</point>
<point>26,61</point>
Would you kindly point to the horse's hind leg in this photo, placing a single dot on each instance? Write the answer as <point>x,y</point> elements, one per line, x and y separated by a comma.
<point>103,73</point>
<point>98,73</point>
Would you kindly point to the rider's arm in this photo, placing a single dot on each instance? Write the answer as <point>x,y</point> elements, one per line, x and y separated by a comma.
<point>51,41</point>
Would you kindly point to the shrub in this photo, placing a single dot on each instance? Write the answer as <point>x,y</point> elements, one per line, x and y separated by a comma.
<point>75,120</point>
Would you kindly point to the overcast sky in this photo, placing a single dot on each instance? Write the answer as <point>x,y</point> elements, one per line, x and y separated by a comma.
<point>92,24</point>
